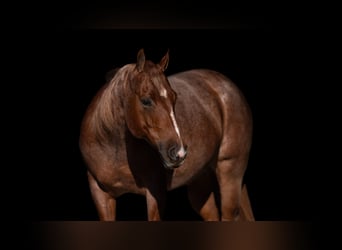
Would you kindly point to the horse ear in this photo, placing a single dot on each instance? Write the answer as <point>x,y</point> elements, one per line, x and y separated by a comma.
<point>140,60</point>
<point>164,62</point>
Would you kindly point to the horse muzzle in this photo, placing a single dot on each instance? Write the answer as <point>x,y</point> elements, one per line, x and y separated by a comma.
<point>175,157</point>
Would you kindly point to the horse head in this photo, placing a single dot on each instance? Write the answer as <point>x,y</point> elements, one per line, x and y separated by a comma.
<point>149,110</point>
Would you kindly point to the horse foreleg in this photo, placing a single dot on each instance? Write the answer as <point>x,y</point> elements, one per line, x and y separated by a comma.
<point>105,204</point>
<point>202,199</point>
<point>229,177</point>
<point>205,206</point>
<point>155,205</point>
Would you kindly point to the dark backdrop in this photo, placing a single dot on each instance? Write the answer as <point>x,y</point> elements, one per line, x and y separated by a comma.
<point>269,63</point>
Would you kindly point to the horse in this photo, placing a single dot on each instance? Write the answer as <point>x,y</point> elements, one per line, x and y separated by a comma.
<point>147,133</point>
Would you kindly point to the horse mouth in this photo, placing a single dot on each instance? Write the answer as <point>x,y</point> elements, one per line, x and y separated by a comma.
<point>172,165</point>
<point>173,158</point>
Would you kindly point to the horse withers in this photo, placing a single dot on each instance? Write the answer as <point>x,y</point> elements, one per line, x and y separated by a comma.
<point>146,133</point>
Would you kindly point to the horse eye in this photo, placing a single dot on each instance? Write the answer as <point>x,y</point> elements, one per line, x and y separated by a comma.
<point>146,102</point>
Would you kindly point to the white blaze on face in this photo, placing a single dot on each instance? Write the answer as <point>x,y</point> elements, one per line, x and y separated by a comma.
<point>181,152</point>
<point>163,93</point>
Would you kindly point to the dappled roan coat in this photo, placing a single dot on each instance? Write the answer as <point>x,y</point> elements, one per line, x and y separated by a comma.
<point>146,133</point>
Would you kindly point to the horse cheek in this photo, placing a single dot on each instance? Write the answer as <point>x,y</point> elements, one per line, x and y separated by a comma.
<point>133,121</point>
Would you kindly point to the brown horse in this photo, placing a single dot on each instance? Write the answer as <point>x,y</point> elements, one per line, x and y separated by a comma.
<point>146,133</point>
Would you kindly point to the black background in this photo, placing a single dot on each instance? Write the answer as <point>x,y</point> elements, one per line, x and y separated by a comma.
<point>264,52</point>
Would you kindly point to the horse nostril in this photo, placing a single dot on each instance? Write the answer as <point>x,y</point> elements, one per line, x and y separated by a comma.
<point>177,153</point>
<point>173,153</point>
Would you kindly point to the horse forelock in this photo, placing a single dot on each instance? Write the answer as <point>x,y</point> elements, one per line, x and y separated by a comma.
<point>157,79</point>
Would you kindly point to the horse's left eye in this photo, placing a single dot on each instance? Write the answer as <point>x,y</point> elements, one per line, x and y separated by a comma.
<point>146,102</point>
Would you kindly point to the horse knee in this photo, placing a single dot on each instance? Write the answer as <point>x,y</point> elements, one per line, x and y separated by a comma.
<point>230,213</point>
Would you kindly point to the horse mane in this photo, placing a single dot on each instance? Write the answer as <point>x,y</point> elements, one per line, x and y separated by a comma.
<point>108,109</point>
<point>110,74</point>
